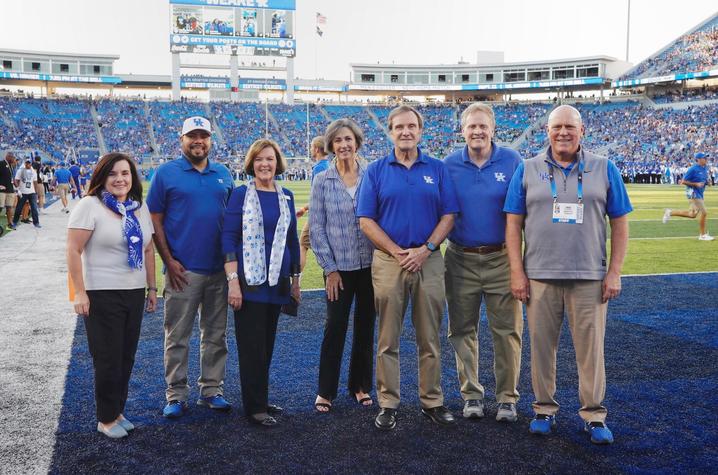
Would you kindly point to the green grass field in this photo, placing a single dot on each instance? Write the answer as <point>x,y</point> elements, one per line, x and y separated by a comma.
<point>654,247</point>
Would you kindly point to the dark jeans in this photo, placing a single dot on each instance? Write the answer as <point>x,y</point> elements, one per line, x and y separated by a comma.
<point>255,325</point>
<point>113,330</point>
<point>32,198</point>
<point>356,284</point>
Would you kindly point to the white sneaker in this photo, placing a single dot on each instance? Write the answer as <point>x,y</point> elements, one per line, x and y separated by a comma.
<point>666,215</point>
<point>474,409</point>
<point>506,412</point>
<point>705,237</point>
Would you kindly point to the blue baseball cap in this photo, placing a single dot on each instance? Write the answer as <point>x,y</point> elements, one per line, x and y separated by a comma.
<point>700,155</point>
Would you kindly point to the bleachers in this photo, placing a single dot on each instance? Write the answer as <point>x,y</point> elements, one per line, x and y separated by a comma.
<point>692,52</point>
<point>167,118</point>
<point>52,126</point>
<point>632,134</point>
<point>124,127</point>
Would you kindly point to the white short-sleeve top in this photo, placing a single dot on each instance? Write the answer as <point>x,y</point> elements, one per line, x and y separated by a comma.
<point>104,259</point>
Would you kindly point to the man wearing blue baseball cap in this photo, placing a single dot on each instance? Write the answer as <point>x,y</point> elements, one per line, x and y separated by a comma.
<point>695,180</point>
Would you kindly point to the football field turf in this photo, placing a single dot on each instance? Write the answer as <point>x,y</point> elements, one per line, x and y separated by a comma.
<point>654,247</point>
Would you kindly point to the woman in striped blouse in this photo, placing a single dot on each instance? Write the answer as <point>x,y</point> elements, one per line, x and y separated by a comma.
<point>345,255</point>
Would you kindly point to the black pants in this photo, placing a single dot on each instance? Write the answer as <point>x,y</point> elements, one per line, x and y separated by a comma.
<point>113,330</point>
<point>361,370</point>
<point>255,325</point>
<point>32,198</point>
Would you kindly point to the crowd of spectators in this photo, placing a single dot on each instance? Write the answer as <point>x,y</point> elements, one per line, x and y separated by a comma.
<point>53,126</point>
<point>640,139</point>
<point>167,118</point>
<point>696,51</point>
<point>689,95</point>
<point>124,127</point>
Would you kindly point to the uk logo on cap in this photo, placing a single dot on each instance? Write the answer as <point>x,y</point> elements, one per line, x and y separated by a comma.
<point>196,123</point>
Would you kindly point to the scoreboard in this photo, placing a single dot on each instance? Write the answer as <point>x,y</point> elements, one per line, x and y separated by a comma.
<point>243,27</point>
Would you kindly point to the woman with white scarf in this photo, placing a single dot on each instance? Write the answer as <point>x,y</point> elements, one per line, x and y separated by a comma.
<point>259,240</point>
<point>110,258</point>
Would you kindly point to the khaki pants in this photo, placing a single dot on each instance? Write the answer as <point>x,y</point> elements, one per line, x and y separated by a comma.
<point>210,293</point>
<point>469,278</point>
<point>62,190</point>
<point>393,287</point>
<point>304,237</point>
<point>581,301</point>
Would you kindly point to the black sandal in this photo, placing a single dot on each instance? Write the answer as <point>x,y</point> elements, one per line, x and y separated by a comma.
<point>263,420</point>
<point>317,405</point>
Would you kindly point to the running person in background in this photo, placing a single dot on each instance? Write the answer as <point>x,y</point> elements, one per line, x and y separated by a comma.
<point>696,180</point>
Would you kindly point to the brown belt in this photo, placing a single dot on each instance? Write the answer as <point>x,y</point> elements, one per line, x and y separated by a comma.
<point>481,249</point>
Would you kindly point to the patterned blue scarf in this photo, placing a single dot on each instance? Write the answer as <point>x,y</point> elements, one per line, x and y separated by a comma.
<point>130,227</point>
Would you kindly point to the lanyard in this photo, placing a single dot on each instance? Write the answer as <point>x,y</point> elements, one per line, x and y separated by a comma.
<point>579,190</point>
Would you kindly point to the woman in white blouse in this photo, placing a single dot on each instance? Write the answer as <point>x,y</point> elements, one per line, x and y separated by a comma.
<point>110,258</point>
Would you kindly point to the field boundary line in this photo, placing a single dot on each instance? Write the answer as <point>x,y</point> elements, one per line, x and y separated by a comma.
<point>672,273</point>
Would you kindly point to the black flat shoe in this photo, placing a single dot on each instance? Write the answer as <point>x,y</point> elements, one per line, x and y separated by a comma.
<point>386,420</point>
<point>264,420</point>
<point>440,415</point>
<point>274,410</point>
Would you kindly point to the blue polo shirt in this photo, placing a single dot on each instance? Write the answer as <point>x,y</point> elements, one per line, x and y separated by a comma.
<point>75,171</point>
<point>193,205</point>
<point>407,203</point>
<point>696,174</point>
<point>63,176</point>
<point>319,167</point>
<point>481,220</point>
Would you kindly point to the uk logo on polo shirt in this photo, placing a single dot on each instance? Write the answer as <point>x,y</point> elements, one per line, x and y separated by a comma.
<point>500,177</point>
<point>429,180</point>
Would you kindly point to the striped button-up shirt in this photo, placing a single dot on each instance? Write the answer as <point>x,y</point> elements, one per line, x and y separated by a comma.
<point>336,239</point>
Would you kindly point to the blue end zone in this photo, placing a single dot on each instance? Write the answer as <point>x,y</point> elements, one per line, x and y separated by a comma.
<point>662,384</point>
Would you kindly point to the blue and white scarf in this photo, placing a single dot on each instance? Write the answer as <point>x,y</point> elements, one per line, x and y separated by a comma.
<point>253,255</point>
<point>131,229</point>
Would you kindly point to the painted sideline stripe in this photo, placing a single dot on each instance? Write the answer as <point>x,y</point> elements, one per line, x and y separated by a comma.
<point>661,238</point>
<point>671,273</point>
<point>661,220</point>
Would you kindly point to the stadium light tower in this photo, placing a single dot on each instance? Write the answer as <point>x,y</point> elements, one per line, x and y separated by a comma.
<point>628,29</point>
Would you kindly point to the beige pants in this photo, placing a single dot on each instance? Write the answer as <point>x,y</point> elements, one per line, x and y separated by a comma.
<point>304,237</point>
<point>581,301</point>
<point>208,292</point>
<point>393,288</point>
<point>62,190</point>
<point>470,278</point>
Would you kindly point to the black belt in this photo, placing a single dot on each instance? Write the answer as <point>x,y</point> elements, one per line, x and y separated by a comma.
<point>481,249</point>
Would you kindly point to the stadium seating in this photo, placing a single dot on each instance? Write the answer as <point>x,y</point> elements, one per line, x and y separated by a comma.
<point>56,127</point>
<point>635,135</point>
<point>692,52</point>
<point>124,127</point>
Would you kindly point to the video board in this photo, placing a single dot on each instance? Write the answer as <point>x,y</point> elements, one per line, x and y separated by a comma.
<point>244,27</point>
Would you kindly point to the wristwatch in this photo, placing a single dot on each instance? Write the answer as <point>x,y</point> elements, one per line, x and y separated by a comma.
<point>231,276</point>
<point>430,246</point>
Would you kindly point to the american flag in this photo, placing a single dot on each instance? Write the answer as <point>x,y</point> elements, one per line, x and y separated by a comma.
<point>321,19</point>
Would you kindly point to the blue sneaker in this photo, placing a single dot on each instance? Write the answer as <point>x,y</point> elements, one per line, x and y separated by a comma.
<point>216,402</point>
<point>542,424</point>
<point>175,409</point>
<point>600,434</point>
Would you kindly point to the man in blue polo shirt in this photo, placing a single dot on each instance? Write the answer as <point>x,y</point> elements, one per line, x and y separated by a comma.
<point>187,199</point>
<point>319,154</point>
<point>696,179</point>
<point>75,171</point>
<point>63,183</point>
<point>477,266</point>
<point>406,207</point>
<point>560,200</point>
